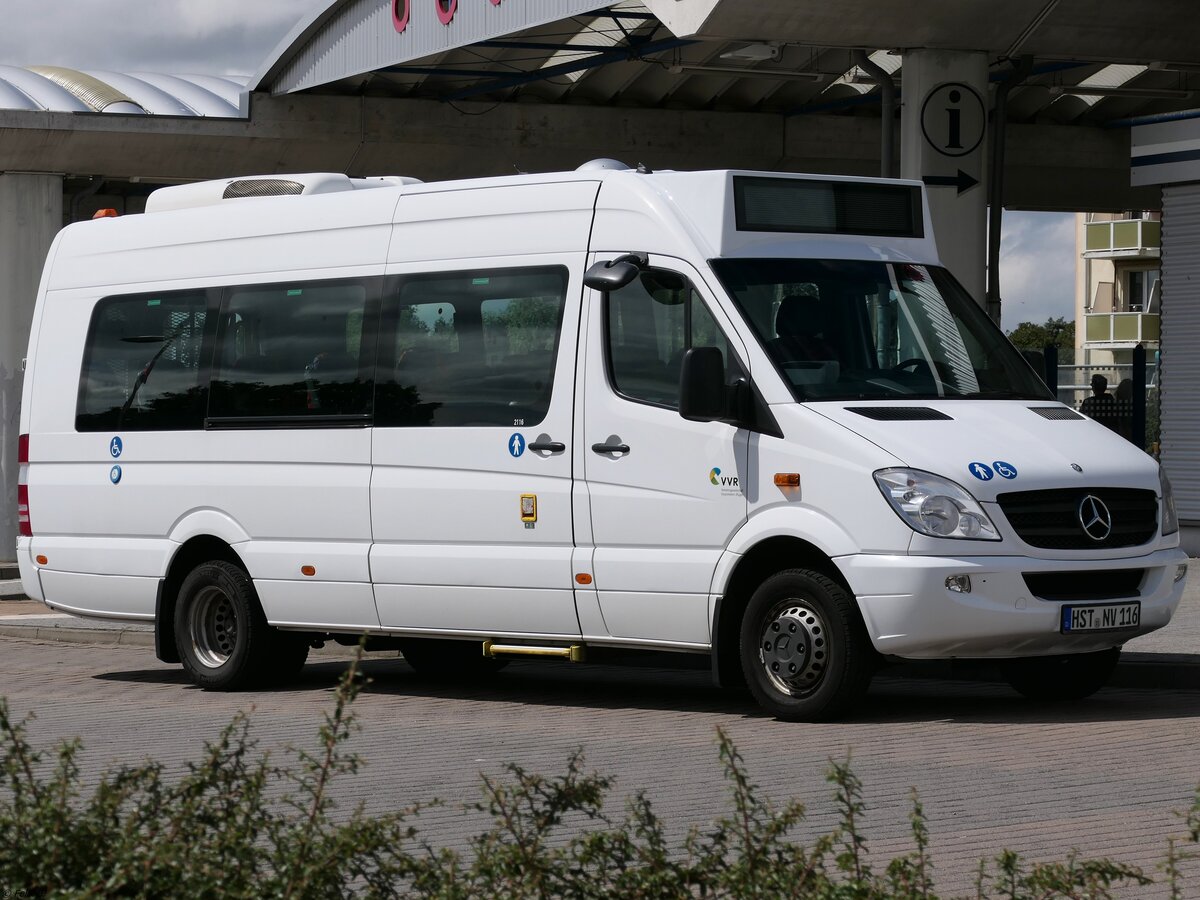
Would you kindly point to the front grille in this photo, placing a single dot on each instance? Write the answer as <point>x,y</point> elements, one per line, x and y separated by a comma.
<point>1050,519</point>
<point>899,413</point>
<point>1107,584</point>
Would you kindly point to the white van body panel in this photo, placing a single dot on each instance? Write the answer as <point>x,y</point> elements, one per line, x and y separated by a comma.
<point>268,236</point>
<point>101,596</point>
<point>208,523</point>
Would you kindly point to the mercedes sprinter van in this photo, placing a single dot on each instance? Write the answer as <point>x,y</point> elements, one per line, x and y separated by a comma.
<point>741,414</point>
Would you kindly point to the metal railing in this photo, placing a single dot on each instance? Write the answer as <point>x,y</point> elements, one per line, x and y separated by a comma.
<point>1121,328</point>
<point>1118,407</point>
<point>1127,237</point>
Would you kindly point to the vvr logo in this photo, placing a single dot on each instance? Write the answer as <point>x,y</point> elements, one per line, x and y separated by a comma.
<point>720,480</point>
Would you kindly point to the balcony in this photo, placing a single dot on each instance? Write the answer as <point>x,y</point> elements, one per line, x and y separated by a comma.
<point>1123,239</point>
<point>1119,330</point>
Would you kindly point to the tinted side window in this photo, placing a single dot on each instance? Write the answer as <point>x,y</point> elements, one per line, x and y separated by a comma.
<point>294,352</point>
<point>144,364</point>
<point>651,323</point>
<point>471,348</point>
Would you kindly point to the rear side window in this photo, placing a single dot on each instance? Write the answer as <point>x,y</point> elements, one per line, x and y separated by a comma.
<point>470,348</point>
<point>294,353</point>
<point>144,365</point>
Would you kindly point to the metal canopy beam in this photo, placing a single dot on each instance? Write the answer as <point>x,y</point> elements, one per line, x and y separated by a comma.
<point>615,54</point>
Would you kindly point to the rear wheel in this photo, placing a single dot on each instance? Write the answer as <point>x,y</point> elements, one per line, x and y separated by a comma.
<point>225,643</point>
<point>449,659</point>
<point>1060,678</point>
<point>805,653</point>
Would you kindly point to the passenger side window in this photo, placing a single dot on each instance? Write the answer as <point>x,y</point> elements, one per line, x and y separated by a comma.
<point>651,323</point>
<point>143,364</point>
<point>471,348</point>
<point>293,351</point>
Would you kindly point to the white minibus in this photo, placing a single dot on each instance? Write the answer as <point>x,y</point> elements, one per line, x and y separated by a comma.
<point>740,414</point>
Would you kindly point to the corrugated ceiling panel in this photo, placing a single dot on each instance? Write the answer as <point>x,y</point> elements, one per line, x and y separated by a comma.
<point>361,36</point>
<point>1180,338</point>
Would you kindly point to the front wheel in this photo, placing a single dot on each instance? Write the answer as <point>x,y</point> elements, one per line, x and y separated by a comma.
<point>1060,678</point>
<point>805,653</point>
<point>224,640</point>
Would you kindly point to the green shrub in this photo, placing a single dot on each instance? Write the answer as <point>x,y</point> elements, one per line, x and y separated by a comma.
<point>236,825</point>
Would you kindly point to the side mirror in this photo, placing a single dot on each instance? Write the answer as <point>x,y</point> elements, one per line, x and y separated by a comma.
<point>614,274</point>
<point>702,394</point>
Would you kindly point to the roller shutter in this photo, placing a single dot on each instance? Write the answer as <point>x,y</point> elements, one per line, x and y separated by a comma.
<point>1181,346</point>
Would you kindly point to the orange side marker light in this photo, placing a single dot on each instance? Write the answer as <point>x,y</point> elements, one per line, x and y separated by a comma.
<point>583,578</point>
<point>308,570</point>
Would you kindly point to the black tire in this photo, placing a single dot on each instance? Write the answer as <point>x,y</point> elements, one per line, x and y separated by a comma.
<point>449,659</point>
<point>225,643</point>
<point>287,656</point>
<point>1061,678</point>
<point>827,670</point>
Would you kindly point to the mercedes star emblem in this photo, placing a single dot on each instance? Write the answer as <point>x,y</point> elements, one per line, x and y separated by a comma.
<point>1095,518</point>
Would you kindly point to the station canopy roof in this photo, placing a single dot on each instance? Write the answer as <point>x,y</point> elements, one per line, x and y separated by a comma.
<point>1094,62</point>
<point>61,89</point>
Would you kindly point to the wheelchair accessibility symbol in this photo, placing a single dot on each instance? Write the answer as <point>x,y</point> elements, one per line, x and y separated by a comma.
<point>116,448</point>
<point>1005,470</point>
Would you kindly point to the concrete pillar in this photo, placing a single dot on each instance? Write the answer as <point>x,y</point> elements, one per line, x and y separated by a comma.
<point>31,213</point>
<point>943,141</point>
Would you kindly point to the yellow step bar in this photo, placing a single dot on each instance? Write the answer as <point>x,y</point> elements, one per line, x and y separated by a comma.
<point>574,653</point>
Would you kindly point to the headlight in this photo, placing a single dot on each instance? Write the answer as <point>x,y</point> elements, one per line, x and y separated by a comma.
<point>935,506</point>
<point>1170,519</point>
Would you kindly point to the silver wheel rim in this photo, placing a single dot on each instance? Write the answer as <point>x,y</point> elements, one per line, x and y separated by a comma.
<point>214,627</point>
<point>793,647</point>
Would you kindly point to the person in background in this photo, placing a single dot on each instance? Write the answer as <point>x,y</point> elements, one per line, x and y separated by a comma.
<point>1101,406</point>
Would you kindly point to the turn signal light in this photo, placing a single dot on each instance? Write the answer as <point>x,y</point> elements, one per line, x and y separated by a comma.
<point>787,479</point>
<point>105,214</point>
<point>41,560</point>
<point>583,578</point>
<point>308,570</point>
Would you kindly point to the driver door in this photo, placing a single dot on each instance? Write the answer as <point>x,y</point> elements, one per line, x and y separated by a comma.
<point>665,494</point>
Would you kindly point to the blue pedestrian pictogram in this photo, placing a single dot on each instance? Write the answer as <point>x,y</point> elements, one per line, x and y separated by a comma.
<point>516,445</point>
<point>1005,470</point>
<point>114,474</point>
<point>115,447</point>
<point>982,471</point>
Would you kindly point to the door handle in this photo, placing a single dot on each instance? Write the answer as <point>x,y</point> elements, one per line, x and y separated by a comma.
<point>610,448</point>
<point>547,446</point>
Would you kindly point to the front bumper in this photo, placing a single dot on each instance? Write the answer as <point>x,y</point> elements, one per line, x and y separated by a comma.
<point>909,611</point>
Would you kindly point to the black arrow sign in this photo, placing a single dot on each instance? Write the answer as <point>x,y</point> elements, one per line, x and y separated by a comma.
<point>962,181</point>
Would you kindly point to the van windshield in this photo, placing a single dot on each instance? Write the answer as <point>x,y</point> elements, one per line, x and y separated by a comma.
<point>854,330</point>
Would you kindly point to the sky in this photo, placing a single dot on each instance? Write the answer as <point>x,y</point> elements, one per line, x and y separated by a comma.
<point>235,37</point>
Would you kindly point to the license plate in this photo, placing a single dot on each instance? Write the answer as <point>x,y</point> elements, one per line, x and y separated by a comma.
<point>1106,617</point>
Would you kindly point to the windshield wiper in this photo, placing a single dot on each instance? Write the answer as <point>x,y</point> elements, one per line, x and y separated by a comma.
<point>144,375</point>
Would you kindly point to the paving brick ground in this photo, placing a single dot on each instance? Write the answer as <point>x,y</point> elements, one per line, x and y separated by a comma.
<point>1105,776</point>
